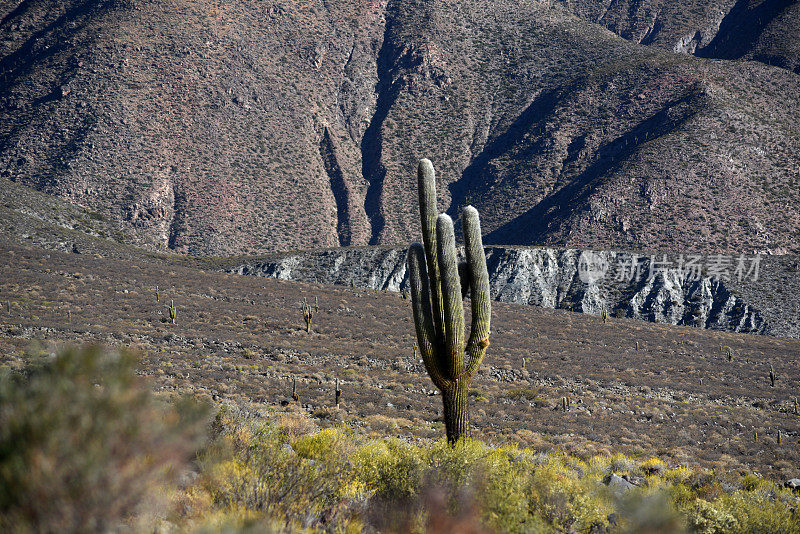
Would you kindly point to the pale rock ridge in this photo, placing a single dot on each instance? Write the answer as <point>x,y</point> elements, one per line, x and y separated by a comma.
<point>547,277</point>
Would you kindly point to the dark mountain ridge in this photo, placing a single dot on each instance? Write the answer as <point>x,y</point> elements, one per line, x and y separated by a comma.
<point>216,127</point>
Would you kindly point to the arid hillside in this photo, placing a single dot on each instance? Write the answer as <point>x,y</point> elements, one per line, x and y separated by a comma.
<point>220,127</point>
<point>686,395</point>
<point>762,30</point>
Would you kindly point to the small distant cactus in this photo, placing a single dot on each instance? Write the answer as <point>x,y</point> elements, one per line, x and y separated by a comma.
<point>437,291</point>
<point>796,410</point>
<point>295,396</point>
<point>158,295</point>
<point>729,353</point>
<point>69,316</point>
<point>771,375</point>
<point>337,393</point>
<point>637,346</point>
<point>780,437</point>
<point>309,311</point>
<point>173,311</point>
<point>604,315</point>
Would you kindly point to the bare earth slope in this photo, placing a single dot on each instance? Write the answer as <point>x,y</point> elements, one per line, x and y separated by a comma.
<point>218,127</point>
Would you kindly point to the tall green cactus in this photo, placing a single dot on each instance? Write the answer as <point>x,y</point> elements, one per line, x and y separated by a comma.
<point>436,298</point>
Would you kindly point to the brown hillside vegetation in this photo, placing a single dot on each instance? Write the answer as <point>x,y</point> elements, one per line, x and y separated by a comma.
<point>222,127</point>
<point>633,387</point>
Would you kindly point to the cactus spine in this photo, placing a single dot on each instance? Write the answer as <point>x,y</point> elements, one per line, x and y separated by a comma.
<point>436,298</point>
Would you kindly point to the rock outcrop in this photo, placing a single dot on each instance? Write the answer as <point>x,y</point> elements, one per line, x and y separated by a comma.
<point>695,290</point>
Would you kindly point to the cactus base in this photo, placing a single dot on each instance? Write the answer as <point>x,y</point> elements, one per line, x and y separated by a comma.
<point>456,415</point>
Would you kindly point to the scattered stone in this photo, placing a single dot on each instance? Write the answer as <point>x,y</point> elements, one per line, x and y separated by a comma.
<point>619,484</point>
<point>793,484</point>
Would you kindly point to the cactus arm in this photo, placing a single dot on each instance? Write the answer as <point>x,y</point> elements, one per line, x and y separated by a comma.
<point>423,320</point>
<point>479,284</point>
<point>453,352</point>
<point>426,182</point>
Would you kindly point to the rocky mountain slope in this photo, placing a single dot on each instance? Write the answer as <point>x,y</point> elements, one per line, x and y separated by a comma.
<point>738,294</point>
<point>762,30</point>
<point>218,127</point>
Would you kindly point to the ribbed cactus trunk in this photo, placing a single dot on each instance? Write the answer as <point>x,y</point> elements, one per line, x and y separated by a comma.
<point>436,298</point>
<point>456,410</point>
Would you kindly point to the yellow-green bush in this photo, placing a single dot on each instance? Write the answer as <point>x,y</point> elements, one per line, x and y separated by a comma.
<point>511,489</point>
<point>251,471</point>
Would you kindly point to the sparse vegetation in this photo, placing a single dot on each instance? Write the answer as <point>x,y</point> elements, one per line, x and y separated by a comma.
<point>278,471</point>
<point>647,402</point>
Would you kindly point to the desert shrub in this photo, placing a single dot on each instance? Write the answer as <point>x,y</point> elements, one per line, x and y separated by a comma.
<point>83,442</point>
<point>251,471</point>
<point>337,479</point>
<point>390,469</point>
<point>320,445</point>
<point>522,393</point>
<point>652,466</point>
<point>565,496</point>
<point>747,512</point>
<point>705,518</point>
<point>751,482</point>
